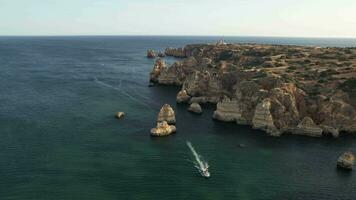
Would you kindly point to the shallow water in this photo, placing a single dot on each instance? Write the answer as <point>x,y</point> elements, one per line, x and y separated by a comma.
<point>59,138</point>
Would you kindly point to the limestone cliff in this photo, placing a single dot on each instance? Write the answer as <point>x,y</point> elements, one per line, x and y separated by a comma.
<point>278,89</point>
<point>308,127</point>
<point>263,118</point>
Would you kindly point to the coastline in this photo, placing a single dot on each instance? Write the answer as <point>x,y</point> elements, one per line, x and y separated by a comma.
<point>280,89</point>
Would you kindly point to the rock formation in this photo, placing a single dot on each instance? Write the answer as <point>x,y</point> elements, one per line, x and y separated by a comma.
<point>151,53</point>
<point>307,127</point>
<point>159,66</point>
<point>228,110</point>
<point>166,114</point>
<point>178,53</point>
<point>263,119</point>
<point>120,115</point>
<point>163,129</point>
<point>161,55</point>
<point>346,161</point>
<point>275,88</point>
<point>195,108</point>
<point>183,97</point>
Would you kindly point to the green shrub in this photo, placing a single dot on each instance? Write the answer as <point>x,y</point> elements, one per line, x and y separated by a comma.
<point>349,85</point>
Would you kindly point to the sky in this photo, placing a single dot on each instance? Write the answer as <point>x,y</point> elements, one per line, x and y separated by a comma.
<point>286,18</point>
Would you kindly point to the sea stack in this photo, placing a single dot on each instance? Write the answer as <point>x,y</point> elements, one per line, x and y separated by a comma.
<point>346,161</point>
<point>166,114</point>
<point>195,108</point>
<point>151,53</point>
<point>120,115</point>
<point>163,129</point>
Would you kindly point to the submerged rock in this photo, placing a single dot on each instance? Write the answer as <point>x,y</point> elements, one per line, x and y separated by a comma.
<point>151,53</point>
<point>346,161</point>
<point>163,129</point>
<point>167,114</point>
<point>195,108</point>
<point>120,115</point>
<point>308,127</point>
<point>183,97</point>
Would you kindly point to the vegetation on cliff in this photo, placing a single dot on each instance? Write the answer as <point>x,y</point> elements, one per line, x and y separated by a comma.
<point>275,88</point>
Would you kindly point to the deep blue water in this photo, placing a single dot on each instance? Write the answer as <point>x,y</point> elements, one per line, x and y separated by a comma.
<point>59,139</point>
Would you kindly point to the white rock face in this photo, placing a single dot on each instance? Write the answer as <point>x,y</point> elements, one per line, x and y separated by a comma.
<point>263,119</point>
<point>167,114</point>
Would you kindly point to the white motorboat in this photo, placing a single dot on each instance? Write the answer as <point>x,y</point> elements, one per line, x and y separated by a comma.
<point>200,164</point>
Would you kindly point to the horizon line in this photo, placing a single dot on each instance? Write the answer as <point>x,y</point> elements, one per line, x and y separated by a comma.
<point>168,35</point>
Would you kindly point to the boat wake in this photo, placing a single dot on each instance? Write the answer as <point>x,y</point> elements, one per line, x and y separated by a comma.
<point>199,163</point>
<point>119,89</point>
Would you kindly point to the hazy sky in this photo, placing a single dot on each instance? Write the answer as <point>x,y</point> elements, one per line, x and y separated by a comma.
<point>304,18</point>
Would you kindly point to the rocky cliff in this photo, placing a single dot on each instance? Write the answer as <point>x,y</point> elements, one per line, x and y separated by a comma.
<point>278,89</point>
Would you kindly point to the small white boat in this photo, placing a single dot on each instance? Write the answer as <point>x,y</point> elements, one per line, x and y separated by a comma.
<point>199,163</point>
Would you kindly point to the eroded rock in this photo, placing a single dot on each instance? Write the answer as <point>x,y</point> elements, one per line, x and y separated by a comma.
<point>166,114</point>
<point>151,53</point>
<point>195,108</point>
<point>183,97</point>
<point>159,66</point>
<point>263,119</point>
<point>308,127</point>
<point>346,161</point>
<point>120,115</point>
<point>163,129</point>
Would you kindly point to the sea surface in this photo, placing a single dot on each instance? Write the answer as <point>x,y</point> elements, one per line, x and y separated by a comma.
<point>59,138</point>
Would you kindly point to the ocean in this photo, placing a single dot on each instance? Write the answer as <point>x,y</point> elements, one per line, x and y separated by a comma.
<point>59,138</point>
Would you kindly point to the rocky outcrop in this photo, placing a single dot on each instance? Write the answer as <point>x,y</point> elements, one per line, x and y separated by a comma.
<point>263,119</point>
<point>195,108</point>
<point>161,55</point>
<point>308,127</point>
<point>203,87</point>
<point>166,114</point>
<point>228,110</point>
<point>151,53</point>
<point>176,52</point>
<point>174,75</point>
<point>328,130</point>
<point>120,115</point>
<point>159,66</point>
<point>183,97</point>
<point>275,88</point>
<point>346,161</point>
<point>163,129</point>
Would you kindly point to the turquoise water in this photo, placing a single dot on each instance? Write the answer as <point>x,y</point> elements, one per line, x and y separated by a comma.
<point>59,138</point>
